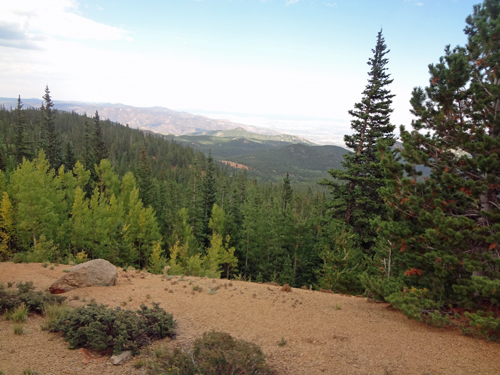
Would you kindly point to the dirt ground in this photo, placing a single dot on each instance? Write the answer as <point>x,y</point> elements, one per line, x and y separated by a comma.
<point>324,333</point>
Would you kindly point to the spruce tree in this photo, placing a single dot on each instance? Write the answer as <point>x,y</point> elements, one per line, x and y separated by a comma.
<point>52,140</point>
<point>99,146</point>
<point>3,161</point>
<point>88,157</point>
<point>444,231</point>
<point>21,146</point>
<point>196,206</point>
<point>287,193</point>
<point>70,159</point>
<point>145,180</point>
<point>209,194</point>
<point>355,199</point>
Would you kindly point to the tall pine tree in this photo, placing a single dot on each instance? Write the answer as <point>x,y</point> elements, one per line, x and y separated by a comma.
<point>145,180</point>
<point>51,137</point>
<point>355,199</point>
<point>21,146</point>
<point>443,235</point>
<point>209,198</point>
<point>88,156</point>
<point>99,146</point>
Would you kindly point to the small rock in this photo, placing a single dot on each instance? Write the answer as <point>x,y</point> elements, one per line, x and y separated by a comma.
<point>122,358</point>
<point>286,288</point>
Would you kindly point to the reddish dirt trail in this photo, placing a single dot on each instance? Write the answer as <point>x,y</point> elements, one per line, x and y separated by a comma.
<point>325,333</point>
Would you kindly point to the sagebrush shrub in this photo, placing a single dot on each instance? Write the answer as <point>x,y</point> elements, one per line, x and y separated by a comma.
<point>213,354</point>
<point>34,301</point>
<point>101,328</point>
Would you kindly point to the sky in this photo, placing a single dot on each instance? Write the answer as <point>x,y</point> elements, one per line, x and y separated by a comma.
<point>296,65</point>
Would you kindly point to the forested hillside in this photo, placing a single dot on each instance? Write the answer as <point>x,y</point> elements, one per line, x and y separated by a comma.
<point>91,188</point>
<point>270,159</point>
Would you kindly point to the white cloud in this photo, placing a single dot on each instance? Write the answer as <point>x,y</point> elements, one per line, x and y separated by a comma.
<point>290,2</point>
<point>26,22</point>
<point>330,4</point>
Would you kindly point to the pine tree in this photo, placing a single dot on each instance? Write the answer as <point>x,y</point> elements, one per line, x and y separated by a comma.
<point>287,193</point>
<point>70,159</point>
<point>52,141</point>
<point>99,146</point>
<point>443,234</point>
<point>3,161</point>
<point>196,206</point>
<point>145,180</point>
<point>354,189</point>
<point>209,197</point>
<point>21,145</point>
<point>88,156</point>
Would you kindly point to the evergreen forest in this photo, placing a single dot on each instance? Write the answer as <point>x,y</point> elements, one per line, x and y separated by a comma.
<point>76,187</point>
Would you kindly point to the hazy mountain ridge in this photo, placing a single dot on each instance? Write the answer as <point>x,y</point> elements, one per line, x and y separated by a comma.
<point>157,119</point>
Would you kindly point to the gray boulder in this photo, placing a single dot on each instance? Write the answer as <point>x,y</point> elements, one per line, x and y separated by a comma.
<point>91,273</point>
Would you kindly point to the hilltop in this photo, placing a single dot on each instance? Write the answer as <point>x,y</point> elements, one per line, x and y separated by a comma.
<point>324,333</point>
<point>240,133</point>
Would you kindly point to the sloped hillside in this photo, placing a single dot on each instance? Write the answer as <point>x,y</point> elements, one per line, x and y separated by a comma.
<point>324,333</point>
<point>303,162</point>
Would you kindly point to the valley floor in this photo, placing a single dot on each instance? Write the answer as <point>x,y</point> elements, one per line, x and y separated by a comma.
<point>324,333</point>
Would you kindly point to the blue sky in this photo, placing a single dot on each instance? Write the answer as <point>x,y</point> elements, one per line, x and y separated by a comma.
<point>277,63</point>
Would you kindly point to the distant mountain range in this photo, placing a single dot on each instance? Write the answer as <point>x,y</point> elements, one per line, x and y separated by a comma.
<point>156,119</point>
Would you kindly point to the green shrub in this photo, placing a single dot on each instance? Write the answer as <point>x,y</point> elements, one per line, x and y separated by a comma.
<point>484,324</point>
<point>213,354</point>
<point>19,314</point>
<point>19,258</point>
<point>379,287</point>
<point>18,328</point>
<point>100,328</point>
<point>52,313</point>
<point>412,302</point>
<point>25,287</point>
<point>34,301</point>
